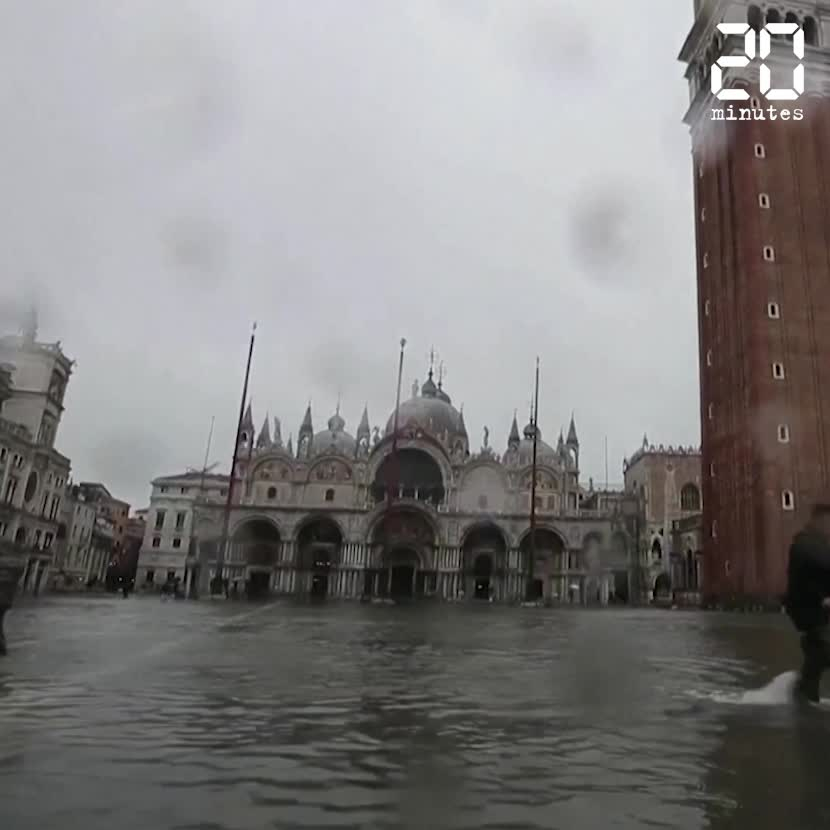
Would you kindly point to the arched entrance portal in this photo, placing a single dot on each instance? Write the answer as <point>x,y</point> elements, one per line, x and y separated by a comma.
<point>318,547</point>
<point>403,567</point>
<point>403,542</point>
<point>482,574</point>
<point>484,555</point>
<point>548,567</point>
<point>257,544</point>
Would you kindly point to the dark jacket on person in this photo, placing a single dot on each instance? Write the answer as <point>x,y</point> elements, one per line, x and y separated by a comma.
<point>808,579</point>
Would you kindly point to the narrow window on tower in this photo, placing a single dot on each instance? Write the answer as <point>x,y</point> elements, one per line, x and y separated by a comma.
<point>709,357</point>
<point>778,371</point>
<point>763,200</point>
<point>706,259</point>
<point>774,311</point>
<point>755,103</point>
<point>707,307</point>
<point>712,469</point>
<point>710,411</point>
<point>703,214</point>
<point>787,500</point>
<point>783,434</point>
<point>769,253</point>
<point>700,171</point>
<point>760,151</point>
<point>715,529</point>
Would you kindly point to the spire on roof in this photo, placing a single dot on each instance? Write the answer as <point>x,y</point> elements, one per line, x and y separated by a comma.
<point>264,439</point>
<point>290,446</point>
<point>363,427</point>
<point>277,432</point>
<point>572,441</point>
<point>248,420</point>
<point>514,438</point>
<point>306,425</point>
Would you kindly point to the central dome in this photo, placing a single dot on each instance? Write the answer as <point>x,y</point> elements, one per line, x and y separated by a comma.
<point>432,411</point>
<point>335,439</point>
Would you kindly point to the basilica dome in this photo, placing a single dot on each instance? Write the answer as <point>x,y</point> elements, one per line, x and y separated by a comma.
<point>433,411</point>
<point>334,439</point>
<point>521,453</point>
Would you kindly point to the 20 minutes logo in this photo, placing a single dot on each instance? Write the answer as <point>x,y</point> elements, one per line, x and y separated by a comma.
<point>762,39</point>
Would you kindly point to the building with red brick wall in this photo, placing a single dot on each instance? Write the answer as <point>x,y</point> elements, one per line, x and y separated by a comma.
<point>762,213</point>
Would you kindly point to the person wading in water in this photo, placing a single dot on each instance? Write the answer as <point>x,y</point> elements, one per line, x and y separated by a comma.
<point>808,600</point>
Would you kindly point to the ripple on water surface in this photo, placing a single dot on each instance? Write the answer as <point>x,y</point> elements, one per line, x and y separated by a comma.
<point>222,715</point>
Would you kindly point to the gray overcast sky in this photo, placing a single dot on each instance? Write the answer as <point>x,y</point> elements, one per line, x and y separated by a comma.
<point>499,178</point>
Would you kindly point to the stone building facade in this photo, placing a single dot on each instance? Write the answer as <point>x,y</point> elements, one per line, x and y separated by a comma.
<point>33,474</point>
<point>762,208</point>
<point>667,482</point>
<point>74,561</point>
<point>168,524</point>
<point>375,515</point>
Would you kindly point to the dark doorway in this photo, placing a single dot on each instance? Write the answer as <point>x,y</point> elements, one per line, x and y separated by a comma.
<point>401,583</point>
<point>403,565</point>
<point>319,546</point>
<point>258,584</point>
<point>368,583</point>
<point>319,584</point>
<point>662,586</point>
<point>621,586</point>
<point>535,590</point>
<point>259,542</point>
<point>482,571</point>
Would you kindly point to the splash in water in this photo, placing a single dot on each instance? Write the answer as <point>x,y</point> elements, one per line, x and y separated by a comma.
<point>779,692</point>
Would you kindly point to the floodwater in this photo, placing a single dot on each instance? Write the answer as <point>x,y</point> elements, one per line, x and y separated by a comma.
<point>138,714</point>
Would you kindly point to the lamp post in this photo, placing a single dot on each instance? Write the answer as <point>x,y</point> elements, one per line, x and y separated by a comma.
<point>531,582</point>
<point>216,583</point>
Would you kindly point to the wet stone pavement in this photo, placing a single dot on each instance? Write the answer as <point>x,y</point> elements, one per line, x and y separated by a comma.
<point>141,714</point>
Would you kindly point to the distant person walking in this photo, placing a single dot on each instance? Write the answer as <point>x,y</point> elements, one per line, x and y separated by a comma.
<point>808,600</point>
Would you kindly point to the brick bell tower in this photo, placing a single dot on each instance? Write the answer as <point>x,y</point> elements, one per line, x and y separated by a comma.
<point>762,219</point>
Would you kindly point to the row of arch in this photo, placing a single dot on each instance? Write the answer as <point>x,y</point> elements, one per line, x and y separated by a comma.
<point>402,551</point>
<point>266,527</point>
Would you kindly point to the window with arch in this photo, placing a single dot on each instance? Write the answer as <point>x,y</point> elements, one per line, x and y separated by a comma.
<point>705,259</point>
<point>774,311</point>
<point>760,151</point>
<point>787,500</point>
<point>769,253</point>
<point>707,307</point>
<point>763,201</point>
<point>656,549</point>
<point>272,493</point>
<point>710,411</point>
<point>810,31</point>
<point>783,434</point>
<point>329,495</point>
<point>708,357</point>
<point>703,214</point>
<point>778,371</point>
<point>690,497</point>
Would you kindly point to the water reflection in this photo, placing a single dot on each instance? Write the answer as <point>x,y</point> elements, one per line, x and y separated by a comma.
<point>217,715</point>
